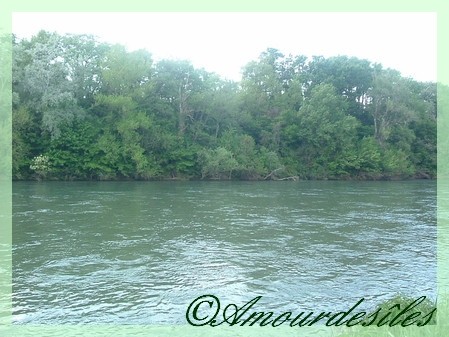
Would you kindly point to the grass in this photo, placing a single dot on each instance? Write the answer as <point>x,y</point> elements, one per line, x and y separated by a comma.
<point>437,326</point>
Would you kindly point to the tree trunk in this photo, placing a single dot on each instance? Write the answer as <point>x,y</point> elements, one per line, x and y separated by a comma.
<point>181,118</point>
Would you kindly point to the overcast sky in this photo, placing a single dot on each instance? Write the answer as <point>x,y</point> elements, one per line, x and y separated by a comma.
<point>224,42</point>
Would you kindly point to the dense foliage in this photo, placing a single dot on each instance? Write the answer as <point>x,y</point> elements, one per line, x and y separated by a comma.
<point>88,110</point>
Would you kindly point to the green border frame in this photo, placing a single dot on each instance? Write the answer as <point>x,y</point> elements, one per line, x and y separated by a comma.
<point>9,6</point>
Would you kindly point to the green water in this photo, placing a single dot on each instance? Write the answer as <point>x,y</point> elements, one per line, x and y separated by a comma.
<point>140,252</point>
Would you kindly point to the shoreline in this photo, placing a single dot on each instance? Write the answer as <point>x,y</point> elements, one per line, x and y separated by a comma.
<point>180,179</point>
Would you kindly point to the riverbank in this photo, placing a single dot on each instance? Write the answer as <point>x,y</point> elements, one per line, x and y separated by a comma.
<point>294,178</point>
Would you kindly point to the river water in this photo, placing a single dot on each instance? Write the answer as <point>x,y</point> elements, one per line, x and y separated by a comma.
<point>141,252</point>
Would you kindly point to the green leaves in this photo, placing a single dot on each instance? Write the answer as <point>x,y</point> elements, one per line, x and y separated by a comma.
<point>125,73</point>
<point>217,164</point>
<point>98,111</point>
<point>325,133</point>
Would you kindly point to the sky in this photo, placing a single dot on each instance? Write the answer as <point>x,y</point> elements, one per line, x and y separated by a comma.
<point>224,42</point>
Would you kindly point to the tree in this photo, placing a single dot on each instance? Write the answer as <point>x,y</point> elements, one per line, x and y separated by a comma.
<point>270,86</point>
<point>125,73</point>
<point>214,110</point>
<point>124,127</point>
<point>84,58</point>
<point>45,82</point>
<point>218,163</point>
<point>40,164</point>
<point>351,77</point>
<point>175,82</point>
<point>243,149</point>
<point>98,111</point>
<point>324,134</point>
<point>21,149</point>
<point>390,103</point>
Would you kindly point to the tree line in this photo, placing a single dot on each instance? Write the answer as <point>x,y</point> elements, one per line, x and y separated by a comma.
<point>88,110</point>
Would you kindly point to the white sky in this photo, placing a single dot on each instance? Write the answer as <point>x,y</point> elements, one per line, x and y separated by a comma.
<point>224,42</point>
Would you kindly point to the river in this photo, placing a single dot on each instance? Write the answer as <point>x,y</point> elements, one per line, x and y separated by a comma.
<point>141,252</point>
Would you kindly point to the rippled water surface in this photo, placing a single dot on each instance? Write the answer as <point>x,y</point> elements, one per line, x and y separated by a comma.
<point>141,252</point>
